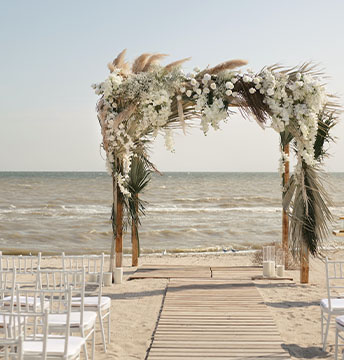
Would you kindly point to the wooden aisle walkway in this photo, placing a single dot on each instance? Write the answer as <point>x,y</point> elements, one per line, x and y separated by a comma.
<point>215,319</point>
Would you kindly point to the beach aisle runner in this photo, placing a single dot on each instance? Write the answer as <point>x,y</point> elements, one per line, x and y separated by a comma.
<point>215,319</point>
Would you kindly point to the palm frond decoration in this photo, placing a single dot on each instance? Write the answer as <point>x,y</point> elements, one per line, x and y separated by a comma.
<point>139,178</point>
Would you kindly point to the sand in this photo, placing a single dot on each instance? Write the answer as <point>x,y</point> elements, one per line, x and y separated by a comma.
<point>294,307</point>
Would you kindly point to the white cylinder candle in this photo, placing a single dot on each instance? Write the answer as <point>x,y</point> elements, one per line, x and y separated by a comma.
<point>280,270</point>
<point>266,268</point>
<point>272,269</point>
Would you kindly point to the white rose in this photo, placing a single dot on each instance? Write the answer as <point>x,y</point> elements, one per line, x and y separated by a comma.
<point>262,91</point>
<point>206,90</point>
<point>182,89</point>
<point>247,78</point>
<point>199,91</point>
<point>258,86</point>
<point>206,77</point>
<point>179,97</point>
<point>298,76</point>
<point>252,90</point>
<point>234,80</point>
<point>189,93</point>
<point>234,94</point>
<point>213,86</point>
<point>270,91</point>
<point>256,80</point>
<point>193,82</point>
<point>229,85</point>
<point>229,92</point>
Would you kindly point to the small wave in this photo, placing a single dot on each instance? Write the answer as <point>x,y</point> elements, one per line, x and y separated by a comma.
<point>257,209</point>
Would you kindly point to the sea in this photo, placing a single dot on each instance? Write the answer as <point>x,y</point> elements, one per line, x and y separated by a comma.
<point>185,212</point>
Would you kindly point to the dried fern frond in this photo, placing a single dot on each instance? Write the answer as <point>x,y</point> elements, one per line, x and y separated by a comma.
<point>154,59</point>
<point>227,65</point>
<point>119,61</point>
<point>140,63</point>
<point>174,64</point>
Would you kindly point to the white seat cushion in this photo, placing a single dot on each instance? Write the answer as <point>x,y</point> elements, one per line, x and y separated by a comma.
<point>61,319</point>
<point>54,346</point>
<point>92,301</point>
<point>336,304</point>
<point>340,320</point>
<point>23,300</point>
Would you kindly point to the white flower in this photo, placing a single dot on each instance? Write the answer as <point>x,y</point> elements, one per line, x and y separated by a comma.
<point>270,91</point>
<point>213,86</point>
<point>258,86</point>
<point>193,82</point>
<point>252,90</point>
<point>182,89</point>
<point>234,94</point>
<point>206,77</point>
<point>229,92</point>
<point>189,93</point>
<point>229,85</point>
<point>199,91</point>
<point>206,90</point>
<point>197,69</point>
<point>246,78</point>
<point>256,80</point>
<point>179,97</point>
<point>298,76</point>
<point>234,80</point>
<point>262,91</point>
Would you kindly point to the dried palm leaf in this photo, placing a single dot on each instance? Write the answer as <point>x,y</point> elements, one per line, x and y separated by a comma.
<point>174,64</point>
<point>140,63</point>
<point>153,60</point>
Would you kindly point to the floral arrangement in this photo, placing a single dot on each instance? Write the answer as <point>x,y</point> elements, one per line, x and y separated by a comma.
<point>137,102</point>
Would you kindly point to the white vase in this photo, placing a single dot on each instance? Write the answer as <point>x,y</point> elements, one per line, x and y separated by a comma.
<point>118,275</point>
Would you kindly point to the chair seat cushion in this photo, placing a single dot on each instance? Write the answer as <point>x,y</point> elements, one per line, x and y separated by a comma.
<point>26,300</point>
<point>61,319</point>
<point>336,304</point>
<point>92,302</point>
<point>340,320</point>
<point>54,346</point>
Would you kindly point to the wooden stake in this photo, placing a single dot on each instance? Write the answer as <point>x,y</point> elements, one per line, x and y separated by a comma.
<point>119,228</point>
<point>285,219</point>
<point>304,268</point>
<point>134,239</point>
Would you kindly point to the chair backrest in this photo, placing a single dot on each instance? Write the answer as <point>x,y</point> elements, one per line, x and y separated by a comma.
<point>58,301</point>
<point>24,264</point>
<point>334,279</point>
<point>11,349</point>
<point>94,270</point>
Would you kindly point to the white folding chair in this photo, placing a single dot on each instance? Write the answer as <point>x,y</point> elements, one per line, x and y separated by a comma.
<point>24,264</point>
<point>94,301</point>
<point>11,349</point>
<point>49,346</point>
<point>81,321</point>
<point>334,303</point>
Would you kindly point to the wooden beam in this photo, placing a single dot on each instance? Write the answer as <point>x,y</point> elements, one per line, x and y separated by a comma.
<point>304,268</point>
<point>285,219</point>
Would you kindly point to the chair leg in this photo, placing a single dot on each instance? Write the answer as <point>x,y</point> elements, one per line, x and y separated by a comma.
<point>85,345</point>
<point>322,326</point>
<point>102,328</point>
<point>109,321</point>
<point>336,346</point>
<point>93,342</point>
<point>326,332</point>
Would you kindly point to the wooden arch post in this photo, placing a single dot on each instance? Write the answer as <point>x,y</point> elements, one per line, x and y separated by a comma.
<point>285,220</point>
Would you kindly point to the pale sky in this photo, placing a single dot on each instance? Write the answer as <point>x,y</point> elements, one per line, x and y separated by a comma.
<point>52,51</point>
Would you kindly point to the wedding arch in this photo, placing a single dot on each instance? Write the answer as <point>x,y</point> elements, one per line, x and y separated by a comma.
<point>139,101</point>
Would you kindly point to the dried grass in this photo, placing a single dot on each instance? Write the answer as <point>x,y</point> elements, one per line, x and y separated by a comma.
<point>154,59</point>
<point>140,63</point>
<point>174,64</point>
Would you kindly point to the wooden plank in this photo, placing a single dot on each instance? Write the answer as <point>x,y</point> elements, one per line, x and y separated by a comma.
<point>215,319</point>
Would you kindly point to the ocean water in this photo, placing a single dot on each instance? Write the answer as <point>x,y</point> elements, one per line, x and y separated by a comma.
<point>185,212</point>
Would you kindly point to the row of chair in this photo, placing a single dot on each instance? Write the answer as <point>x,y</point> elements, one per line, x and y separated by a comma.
<point>63,301</point>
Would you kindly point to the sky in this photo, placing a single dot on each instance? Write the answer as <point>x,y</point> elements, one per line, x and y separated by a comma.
<point>52,51</point>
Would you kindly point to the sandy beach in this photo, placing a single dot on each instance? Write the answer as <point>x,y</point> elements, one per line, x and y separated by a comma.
<point>294,307</point>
